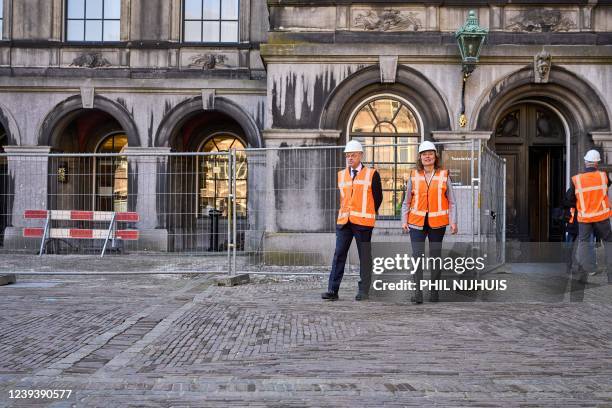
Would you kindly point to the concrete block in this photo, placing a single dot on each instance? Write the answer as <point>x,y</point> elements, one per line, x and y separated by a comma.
<point>7,279</point>
<point>234,280</point>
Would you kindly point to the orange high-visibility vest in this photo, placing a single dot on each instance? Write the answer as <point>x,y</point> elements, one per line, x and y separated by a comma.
<point>592,202</point>
<point>356,199</point>
<point>429,199</point>
<point>572,215</point>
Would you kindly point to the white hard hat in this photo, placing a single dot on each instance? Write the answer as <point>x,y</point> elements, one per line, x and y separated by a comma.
<point>353,146</point>
<point>592,156</point>
<point>426,146</point>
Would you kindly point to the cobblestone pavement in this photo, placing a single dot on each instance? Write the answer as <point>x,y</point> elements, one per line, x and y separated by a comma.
<point>182,341</point>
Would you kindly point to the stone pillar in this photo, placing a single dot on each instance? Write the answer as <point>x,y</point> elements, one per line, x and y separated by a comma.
<point>603,140</point>
<point>28,169</point>
<point>148,180</point>
<point>299,202</point>
<point>296,179</point>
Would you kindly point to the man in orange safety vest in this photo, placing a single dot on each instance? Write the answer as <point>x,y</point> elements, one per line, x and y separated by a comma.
<point>592,195</point>
<point>360,197</point>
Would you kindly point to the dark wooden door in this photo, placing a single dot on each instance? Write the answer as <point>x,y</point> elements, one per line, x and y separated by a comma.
<point>531,139</point>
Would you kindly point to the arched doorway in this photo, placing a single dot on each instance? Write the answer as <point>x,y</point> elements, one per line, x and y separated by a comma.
<point>385,121</point>
<point>532,137</point>
<point>199,184</point>
<point>111,174</point>
<point>88,182</point>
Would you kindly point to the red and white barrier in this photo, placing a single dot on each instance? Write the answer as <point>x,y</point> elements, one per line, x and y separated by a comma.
<point>76,233</point>
<point>71,215</point>
<point>48,232</point>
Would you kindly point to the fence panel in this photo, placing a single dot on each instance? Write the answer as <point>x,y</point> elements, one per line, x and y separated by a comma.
<point>257,210</point>
<point>182,200</point>
<point>493,207</point>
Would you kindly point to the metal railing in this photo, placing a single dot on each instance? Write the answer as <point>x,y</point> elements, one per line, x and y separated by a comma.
<point>258,210</point>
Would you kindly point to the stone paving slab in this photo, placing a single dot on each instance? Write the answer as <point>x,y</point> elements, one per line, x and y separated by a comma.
<point>183,341</point>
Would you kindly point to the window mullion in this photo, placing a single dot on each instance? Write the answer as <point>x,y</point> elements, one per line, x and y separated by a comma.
<point>102,24</point>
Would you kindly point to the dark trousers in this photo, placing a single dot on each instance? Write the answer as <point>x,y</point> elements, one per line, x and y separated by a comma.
<point>603,231</point>
<point>417,241</point>
<point>344,236</point>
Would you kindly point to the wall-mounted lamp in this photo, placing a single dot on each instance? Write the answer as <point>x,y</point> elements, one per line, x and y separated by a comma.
<point>470,38</point>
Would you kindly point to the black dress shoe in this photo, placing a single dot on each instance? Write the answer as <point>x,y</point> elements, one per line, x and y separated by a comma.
<point>329,296</point>
<point>417,298</point>
<point>362,296</point>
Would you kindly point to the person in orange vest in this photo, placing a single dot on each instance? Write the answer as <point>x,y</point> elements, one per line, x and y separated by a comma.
<point>591,197</point>
<point>428,208</point>
<point>360,197</point>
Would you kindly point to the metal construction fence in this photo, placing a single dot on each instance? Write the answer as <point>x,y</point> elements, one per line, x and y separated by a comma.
<point>258,210</point>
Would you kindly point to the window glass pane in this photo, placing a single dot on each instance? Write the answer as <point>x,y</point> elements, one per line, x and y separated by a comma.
<point>386,153</point>
<point>112,9</point>
<point>211,9</point>
<point>1,9</point>
<point>75,30</point>
<point>384,127</point>
<point>384,108</point>
<point>229,10</point>
<point>407,154</point>
<point>0,28</point>
<point>211,31</point>
<point>76,8</point>
<point>93,30</point>
<point>193,9</point>
<point>111,30</point>
<point>193,31</point>
<point>93,9</point>
<point>229,31</point>
<point>224,142</point>
<point>405,121</point>
<point>364,121</point>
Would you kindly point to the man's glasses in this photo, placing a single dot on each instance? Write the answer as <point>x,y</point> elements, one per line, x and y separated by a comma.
<point>347,155</point>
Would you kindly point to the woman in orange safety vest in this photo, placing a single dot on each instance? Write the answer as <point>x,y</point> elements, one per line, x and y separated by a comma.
<point>428,208</point>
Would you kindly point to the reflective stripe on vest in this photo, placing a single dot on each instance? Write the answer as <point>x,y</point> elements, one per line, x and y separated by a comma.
<point>429,199</point>
<point>356,199</point>
<point>592,196</point>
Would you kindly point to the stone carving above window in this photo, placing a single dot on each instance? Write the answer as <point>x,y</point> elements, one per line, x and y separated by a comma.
<point>90,60</point>
<point>541,66</point>
<point>541,20</point>
<point>207,61</point>
<point>386,20</point>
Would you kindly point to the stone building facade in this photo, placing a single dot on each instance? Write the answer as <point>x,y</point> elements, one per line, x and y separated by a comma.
<point>171,75</point>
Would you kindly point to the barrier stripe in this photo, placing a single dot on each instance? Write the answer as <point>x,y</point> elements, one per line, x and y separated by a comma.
<point>33,232</point>
<point>75,233</point>
<point>73,215</point>
<point>33,214</point>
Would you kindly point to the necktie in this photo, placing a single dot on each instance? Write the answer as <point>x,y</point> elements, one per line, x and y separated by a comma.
<point>354,173</point>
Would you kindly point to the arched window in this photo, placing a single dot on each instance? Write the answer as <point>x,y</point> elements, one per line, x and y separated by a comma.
<point>111,181</point>
<point>386,122</point>
<point>213,175</point>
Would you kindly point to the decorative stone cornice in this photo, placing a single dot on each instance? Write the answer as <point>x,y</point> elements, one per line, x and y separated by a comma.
<point>301,134</point>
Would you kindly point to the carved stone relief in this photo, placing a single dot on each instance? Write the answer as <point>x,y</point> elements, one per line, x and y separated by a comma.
<point>90,60</point>
<point>387,19</point>
<point>541,20</point>
<point>207,61</point>
<point>541,66</point>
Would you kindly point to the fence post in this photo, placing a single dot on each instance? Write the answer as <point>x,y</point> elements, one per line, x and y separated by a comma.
<point>503,237</point>
<point>230,196</point>
<point>234,220</point>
